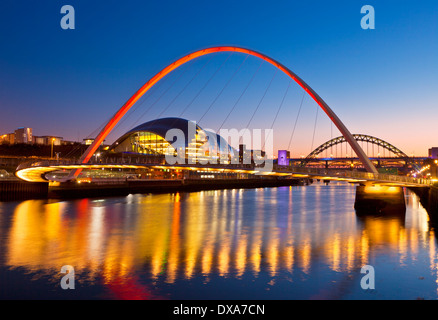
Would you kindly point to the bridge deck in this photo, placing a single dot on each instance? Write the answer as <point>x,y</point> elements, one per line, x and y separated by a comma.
<point>35,171</point>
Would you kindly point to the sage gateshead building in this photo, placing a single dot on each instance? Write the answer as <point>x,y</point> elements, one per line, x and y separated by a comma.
<point>174,137</point>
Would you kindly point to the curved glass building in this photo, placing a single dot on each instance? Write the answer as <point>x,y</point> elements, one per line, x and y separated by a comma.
<point>172,136</point>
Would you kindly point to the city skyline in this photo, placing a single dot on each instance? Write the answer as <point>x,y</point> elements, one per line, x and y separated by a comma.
<point>68,82</point>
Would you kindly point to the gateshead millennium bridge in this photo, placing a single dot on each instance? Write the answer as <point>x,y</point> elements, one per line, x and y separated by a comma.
<point>374,187</point>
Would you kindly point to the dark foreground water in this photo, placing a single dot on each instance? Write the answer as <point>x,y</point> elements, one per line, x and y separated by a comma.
<point>272,243</point>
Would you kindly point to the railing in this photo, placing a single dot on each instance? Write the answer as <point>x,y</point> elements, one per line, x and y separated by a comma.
<point>115,181</point>
<point>9,178</point>
<point>333,173</point>
<point>358,175</point>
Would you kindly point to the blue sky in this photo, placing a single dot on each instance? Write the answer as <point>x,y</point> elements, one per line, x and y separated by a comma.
<point>381,82</point>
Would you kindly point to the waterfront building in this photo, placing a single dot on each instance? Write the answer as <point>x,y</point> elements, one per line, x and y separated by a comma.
<point>48,140</point>
<point>8,138</point>
<point>23,135</point>
<point>156,138</point>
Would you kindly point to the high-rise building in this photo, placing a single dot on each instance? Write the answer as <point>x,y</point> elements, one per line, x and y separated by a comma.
<point>23,135</point>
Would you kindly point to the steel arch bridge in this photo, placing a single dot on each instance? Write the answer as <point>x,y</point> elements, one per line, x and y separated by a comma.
<point>368,165</point>
<point>360,138</point>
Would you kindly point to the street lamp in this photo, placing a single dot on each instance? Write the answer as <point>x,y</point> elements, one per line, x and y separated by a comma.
<point>51,152</point>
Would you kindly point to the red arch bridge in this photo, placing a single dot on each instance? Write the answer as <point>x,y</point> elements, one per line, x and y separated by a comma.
<point>38,171</point>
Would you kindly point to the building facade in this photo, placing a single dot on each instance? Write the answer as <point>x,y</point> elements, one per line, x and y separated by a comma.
<point>433,153</point>
<point>48,140</point>
<point>23,135</point>
<point>174,137</point>
<point>8,138</point>
<point>283,157</point>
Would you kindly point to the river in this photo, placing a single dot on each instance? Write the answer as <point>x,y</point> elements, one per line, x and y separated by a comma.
<point>302,242</point>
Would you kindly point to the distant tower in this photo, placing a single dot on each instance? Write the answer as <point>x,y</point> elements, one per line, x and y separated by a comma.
<point>283,157</point>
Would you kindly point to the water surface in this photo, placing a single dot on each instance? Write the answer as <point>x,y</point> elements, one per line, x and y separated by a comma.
<point>301,242</point>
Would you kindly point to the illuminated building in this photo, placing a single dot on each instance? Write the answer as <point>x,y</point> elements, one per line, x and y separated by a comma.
<point>247,156</point>
<point>182,135</point>
<point>283,157</point>
<point>87,142</point>
<point>8,138</point>
<point>433,153</point>
<point>23,135</point>
<point>47,140</point>
<point>66,142</point>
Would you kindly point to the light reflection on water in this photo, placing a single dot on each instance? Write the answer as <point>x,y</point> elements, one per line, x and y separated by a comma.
<point>270,243</point>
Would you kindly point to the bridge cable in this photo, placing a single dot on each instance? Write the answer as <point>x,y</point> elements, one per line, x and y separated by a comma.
<point>240,97</point>
<point>159,98</point>
<point>220,67</point>
<point>80,145</point>
<point>331,137</point>
<point>205,85</point>
<point>179,93</point>
<point>225,86</point>
<point>138,104</point>
<point>185,87</point>
<point>93,134</point>
<point>261,99</point>
<point>72,151</point>
<point>314,128</point>
<point>278,111</point>
<point>296,120</point>
<point>201,90</point>
<point>347,145</point>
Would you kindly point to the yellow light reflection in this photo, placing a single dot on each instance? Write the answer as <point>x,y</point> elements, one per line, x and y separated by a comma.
<point>185,235</point>
<point>241,255</point>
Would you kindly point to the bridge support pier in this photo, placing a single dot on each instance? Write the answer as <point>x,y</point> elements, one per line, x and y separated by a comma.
<point>379,200</point>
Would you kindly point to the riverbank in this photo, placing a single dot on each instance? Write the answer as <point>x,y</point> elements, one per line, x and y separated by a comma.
<point>11,190</point>
<point>15,189</point>
<point>75,190</point>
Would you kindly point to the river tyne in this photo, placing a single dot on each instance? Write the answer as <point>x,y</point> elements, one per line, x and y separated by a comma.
<point>301,242</point>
